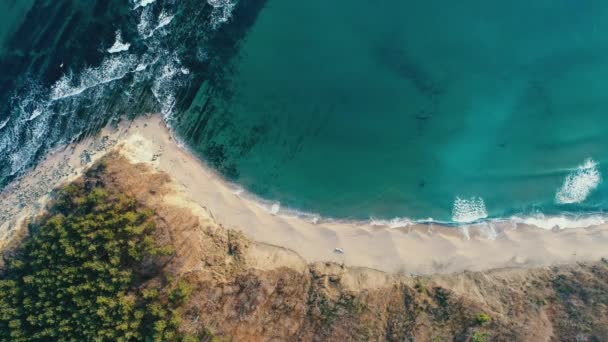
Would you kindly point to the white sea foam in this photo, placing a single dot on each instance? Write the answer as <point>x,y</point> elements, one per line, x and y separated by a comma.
<point>36,113</point>
<point>145,23</point>
<point>274,208</point>
<point>3,123</point>
<point>168,67</point>
<point>141,67</point>
<point>145,28</point>
<point>164,85</point>
<point>398,222</point>
<point>579,183</point>
<point>119,45</point>
<point>25,106</point>
<point>111,69</point>
<point>468,210</point>
<point>222,11</point>
<point>23,154</point>
<point>560,222</point>
<point>142,3</point>
<point>294,213</point>
<point>164,19</point>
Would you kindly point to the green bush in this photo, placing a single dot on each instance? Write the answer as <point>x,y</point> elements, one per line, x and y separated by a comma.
<point>480,337</point>
<point>179,294</point>
<point>75,277</point>
<point>482,319</point>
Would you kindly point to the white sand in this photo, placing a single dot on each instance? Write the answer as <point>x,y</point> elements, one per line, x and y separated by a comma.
<point>417,249</point>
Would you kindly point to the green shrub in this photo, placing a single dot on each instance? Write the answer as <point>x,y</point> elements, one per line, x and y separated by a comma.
<point>179,294</point>
<point>482,319</point>
<point>480,336</point>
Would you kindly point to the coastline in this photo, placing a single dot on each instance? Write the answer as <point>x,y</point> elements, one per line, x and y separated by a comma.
<point>391,246</point>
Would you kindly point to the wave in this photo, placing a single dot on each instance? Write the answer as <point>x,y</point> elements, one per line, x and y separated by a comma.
<point>397,222</point>
<point>469,210</point>
<point>110,70</point>
<point>163,87</point>
<point>471,213</point>
<point>561,222</point>
<point>33,125</point>
<point>468,213</point>
<point>222,11</point>
<point>148,25</point>
<point>119,45</point>
<point>36,113</point>
<point>272,207</point>
<point>28,118</point>
<point>579,183</point>
<point>164,19</point>
<point>41,117</point>
<point>142,3</point>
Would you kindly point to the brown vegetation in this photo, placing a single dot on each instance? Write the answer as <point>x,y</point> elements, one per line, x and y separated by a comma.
<point>246,291</point>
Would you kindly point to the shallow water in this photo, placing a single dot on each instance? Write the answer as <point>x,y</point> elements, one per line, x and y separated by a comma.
<point>450,110</point>
<point>351,109</point>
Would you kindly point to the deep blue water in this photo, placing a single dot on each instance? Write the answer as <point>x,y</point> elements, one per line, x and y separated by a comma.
<point>354,109</point>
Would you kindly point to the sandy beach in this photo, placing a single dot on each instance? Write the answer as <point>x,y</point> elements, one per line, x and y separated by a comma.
<point>414,249</point>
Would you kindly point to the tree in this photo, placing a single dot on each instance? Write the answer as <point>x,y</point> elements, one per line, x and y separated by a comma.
<point>74,277</point>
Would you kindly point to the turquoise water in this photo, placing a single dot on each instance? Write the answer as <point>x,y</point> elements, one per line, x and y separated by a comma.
<point>358,109</point>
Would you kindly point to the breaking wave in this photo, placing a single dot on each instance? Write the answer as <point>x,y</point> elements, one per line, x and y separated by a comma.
<point>147,77</point>
<point>142,3</point>
<point>561,222</point>
<point>579,183</point>
<point>119,45</point>
<point>397,222</point>
<point>469,210</point>
<point>222,11</point>
<point>110,70</point>
<point>44,116</point>
<point>148,25</point>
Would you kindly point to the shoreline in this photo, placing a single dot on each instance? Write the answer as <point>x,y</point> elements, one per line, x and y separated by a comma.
<point>566,220</point>
<point>415,248</point>
<point>274,207</point>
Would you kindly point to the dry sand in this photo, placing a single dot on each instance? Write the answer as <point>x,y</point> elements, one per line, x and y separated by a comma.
<point>416,249</point>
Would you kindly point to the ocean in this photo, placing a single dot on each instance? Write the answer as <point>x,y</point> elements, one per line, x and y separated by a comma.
<point>394,111</point>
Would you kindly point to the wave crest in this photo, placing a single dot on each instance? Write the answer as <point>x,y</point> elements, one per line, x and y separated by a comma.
<point>561,222</point>
<point>397,222</point>
<point>469,210</point>
<point>119,45</point>
<point>147,78</point>
<point>222,11</point>
<point>579,183</point>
